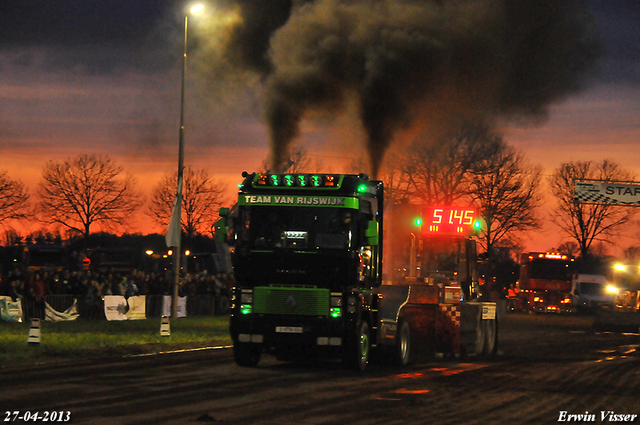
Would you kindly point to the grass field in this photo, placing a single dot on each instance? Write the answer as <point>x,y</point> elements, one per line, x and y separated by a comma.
<point>93,339</point>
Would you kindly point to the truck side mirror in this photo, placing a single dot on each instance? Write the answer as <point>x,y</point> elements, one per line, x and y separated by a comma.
<point>371,233</point>
<point>221,230</point>
<point>221,225</point>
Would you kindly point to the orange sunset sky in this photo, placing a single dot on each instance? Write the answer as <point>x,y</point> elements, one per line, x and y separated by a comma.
<point>50,111</point>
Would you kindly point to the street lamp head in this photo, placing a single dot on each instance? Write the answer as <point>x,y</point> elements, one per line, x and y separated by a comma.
<point>196,8</point>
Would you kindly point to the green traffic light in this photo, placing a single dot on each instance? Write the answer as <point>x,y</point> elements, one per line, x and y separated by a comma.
<point>418,222</point>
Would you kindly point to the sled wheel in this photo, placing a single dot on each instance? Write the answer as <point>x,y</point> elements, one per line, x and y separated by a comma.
<point>403,344</point>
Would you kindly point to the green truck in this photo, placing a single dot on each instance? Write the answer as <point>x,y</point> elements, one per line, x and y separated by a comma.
<point>307,254</point>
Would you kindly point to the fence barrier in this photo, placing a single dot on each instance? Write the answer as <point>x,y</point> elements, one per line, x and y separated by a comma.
<point>197,305</point>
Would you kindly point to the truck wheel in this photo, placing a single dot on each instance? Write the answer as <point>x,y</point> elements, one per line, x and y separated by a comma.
<point>358,350</point>
<point>403,344</point>
<point>490,338</point>
<point>245,355</point>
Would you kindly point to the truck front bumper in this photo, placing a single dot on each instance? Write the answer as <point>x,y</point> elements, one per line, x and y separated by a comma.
<point>289,334</point>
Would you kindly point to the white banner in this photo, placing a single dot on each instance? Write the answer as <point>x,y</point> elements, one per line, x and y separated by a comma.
<point>175,227</point>
<point>182,306</point>
<point>117,307</point>
<point>52,315</point>
<point>611,193</point>
<point>10,311</point>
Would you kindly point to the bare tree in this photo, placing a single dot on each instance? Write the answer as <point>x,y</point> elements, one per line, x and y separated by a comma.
<point>397,186</point>
<point>87,190</point>
<point>632,254</point>
<point>298,161</point>
<point>586,223</point>
<point>570,248</point>
<point>507,192</point>
<point>14,199</point>
<point>202,196</point>
<point>438,170</point>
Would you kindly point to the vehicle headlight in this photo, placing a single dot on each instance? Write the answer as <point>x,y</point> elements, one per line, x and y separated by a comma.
<point>246,301</point>
<point>612,289</point>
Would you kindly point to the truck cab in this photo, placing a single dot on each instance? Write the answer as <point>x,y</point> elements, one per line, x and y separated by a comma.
<point>592,292</point>
<point>545,282</point>
<point>307,254</point>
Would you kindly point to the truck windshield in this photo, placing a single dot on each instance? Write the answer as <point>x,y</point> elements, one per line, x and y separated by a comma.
<point>441,258</point>
<point>592,288</point>
<point>302,228</point>
<point>550,270</point>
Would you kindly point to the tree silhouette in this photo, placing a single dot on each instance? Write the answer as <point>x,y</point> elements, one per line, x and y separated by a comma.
<point>298,161</point>
<point>569,247</point>
<point>202,196</point>
<point>438,169</point>
<point>506,191</point>
<point>586,223</point>
<point>86,190</point>
<point>13,199</point>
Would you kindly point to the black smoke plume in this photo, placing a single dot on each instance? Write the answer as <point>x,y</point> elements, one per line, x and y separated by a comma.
<point>405,61</point>
<point>248,45</point>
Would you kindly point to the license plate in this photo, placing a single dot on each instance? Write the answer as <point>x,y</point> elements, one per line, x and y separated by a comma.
<point>289,329</point>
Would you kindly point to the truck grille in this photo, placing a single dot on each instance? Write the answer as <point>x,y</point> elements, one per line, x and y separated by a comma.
<point>291,300</point>
<point>553,298</point>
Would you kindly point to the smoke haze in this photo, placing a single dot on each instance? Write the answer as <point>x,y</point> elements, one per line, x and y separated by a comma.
<point>408,61</point>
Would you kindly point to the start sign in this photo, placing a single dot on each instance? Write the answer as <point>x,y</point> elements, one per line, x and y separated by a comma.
<point>610,193</point>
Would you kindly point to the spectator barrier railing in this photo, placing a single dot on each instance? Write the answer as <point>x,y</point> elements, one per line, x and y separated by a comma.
<point>197,305</point>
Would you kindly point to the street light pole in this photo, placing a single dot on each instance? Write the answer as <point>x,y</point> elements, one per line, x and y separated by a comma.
<point>177,254</point>
<point>412,256</point>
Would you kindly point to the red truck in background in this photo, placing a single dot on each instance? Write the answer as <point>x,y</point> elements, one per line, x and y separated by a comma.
<point>545,282</point>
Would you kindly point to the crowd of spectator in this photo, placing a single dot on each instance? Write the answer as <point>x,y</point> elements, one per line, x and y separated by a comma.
<point>32,286</point>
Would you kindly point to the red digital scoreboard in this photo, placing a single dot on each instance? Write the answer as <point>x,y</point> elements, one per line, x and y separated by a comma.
<point>448,221</point>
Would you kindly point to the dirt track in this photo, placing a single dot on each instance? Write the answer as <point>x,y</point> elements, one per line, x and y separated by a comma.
<point>549,364</point>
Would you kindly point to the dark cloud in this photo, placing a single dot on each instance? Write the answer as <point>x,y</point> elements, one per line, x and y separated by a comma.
<point>619,24</point>
<point>104,36</point>
<point>92,36</point>
<point>78,22</point>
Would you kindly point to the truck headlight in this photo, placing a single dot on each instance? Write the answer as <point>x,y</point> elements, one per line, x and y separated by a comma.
<point>246,300</point>
<point>612,289</point>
